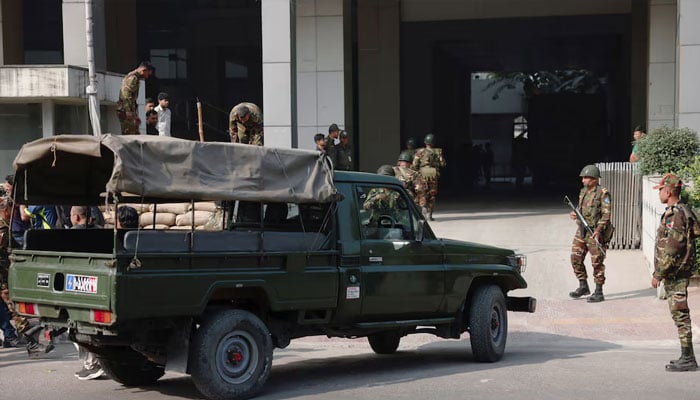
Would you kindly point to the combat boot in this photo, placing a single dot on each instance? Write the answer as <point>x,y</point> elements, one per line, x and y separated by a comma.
<point>597,296</point>
<point>581,291</point>
<point>685,363</point>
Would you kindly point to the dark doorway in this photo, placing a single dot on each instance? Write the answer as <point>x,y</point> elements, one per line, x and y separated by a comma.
<point>438,59</point>
<point>202,49</point>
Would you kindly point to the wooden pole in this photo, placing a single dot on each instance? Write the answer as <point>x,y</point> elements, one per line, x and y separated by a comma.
<point>200,123</point>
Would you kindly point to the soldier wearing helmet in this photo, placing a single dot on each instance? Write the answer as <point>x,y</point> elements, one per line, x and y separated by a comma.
<point>411,147</point>
<point>594,203</point>
<point>381,201</point>
<point>427,161</point>
<point>343,153</point>
<point>412,180</point>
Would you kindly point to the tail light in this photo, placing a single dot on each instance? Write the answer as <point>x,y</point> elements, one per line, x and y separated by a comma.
<point>28,308</point>
<point>102,317</point>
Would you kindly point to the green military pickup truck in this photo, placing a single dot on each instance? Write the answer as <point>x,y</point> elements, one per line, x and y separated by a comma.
<point>303,251</point>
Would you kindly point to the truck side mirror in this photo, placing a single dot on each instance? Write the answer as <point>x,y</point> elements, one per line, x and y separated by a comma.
<point>419,230</point>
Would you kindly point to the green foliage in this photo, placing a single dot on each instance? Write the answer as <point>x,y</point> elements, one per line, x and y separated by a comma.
<point>667,150</point>
<point>691,196</point>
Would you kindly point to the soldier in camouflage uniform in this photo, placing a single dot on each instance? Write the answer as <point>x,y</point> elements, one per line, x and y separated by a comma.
<point>594,204</point>
<point>246,124</point>
<point>674,262</point>
<point>411,147</point>
<point>381,201</point>
<point>427,161</point>
<point>127,110</point>
<point>412,180</point>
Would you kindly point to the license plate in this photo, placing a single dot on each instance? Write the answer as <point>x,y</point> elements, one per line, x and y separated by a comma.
<point>81,283</point>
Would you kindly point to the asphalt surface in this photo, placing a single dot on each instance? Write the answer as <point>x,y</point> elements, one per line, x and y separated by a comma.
<point>568,349</point>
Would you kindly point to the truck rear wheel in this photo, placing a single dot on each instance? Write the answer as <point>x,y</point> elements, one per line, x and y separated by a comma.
<point>130,368</point>
<point>488,323</point>
<point>384,342</point>
<point>231,355</point>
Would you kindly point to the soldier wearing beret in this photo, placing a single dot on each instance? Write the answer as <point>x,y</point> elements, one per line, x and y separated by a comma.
<point>674,262</point>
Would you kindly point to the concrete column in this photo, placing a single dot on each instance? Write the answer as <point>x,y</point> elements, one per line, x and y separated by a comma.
<point>379,90</point>
<point>47,118</point>
<point>277,72</point>
<point>688,64</point>
<point>74,42</point>
<point>662,107</point>
<point>320,73</point>
<point>11,34</point>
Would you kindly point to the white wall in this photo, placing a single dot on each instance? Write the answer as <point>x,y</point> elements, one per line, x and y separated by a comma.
<point>661,108</point>
<point>320,96</point>
<point>689,64</point>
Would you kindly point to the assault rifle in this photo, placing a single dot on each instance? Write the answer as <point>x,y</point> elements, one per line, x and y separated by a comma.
<point>584,225</point>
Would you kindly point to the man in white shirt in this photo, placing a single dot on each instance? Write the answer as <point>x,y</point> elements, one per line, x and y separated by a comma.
<point>163,111</point>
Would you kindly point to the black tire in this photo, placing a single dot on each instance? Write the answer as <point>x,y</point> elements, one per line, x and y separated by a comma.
<point>231,355</point>
<point>130,368</point>
<point>488,323</point>
<point>384,342</point>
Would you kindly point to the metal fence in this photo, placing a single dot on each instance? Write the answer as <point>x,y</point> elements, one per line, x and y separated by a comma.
<point>625,185</point>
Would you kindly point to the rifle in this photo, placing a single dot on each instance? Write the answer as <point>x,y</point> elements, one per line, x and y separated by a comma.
<point>584,225</point>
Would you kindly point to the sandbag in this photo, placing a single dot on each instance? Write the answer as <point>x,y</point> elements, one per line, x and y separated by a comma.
<point>157,226</point>
<point>200,218</point>
<point>161,219</point>
<point>203,206</point>
<point>175,208</point>
<point>140,208</point>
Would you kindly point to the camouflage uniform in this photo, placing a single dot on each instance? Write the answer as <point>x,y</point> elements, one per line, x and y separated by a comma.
<point>428,161</point>
<point>379,202</point>
<point>413,182</point>
<point>594,205</point>
<point>128,94</point>
<point>674,260</point>
<point>250,132</point>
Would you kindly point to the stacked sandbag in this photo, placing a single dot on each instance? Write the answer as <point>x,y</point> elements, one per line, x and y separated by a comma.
<point>173,215</point>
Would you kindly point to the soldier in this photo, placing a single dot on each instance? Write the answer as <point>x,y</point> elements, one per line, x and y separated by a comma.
<point>22,325</point>
<point>412,180</point>
<point>381,201</point>
<point>332,140</point>
<point>411,147</point>
<point>428,161</point>
<point>127,110</point>
<point>637,134</point>
<point>594,204</point>
<point>246,124</point>
<point>674,262</point>
<point>343,153</point>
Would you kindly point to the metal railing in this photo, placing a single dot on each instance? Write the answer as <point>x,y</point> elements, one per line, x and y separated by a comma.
<point>624,182</point>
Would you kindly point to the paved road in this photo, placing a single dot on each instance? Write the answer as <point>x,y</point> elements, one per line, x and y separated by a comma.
<point>567,349</point>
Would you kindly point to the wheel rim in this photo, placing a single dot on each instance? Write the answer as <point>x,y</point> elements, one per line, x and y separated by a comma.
<point>496,323</point>
<point>237,356</point>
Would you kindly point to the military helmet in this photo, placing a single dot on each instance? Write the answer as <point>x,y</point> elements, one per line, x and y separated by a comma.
<point>590,170</point>
<point>429,139</point>
<point>411,142</point>
<point>406,156</point>
<point>387,170</point>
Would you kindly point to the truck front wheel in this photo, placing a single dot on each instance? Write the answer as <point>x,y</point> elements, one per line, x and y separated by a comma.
<point>384,342</point>
<point>488,323</point>
<point>231,355</point>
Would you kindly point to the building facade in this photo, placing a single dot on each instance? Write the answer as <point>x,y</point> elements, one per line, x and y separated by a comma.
<point>385,70</point>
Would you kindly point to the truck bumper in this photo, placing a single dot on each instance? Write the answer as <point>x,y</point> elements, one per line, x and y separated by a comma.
<point>525,304</point>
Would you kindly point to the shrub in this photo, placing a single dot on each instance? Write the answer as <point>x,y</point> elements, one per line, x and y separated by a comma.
<point>667,150</point>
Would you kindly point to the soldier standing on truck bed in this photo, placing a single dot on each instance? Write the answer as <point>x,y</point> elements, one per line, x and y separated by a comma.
<point>246,124</point>
<point>127,110</point>
<point>594,204</point>
<point>427,161</point>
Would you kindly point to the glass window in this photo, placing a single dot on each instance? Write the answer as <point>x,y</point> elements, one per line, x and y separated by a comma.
<point>19,124</point>
<point>170,63</point>
<point>385,214</point>
<point>43,31</point>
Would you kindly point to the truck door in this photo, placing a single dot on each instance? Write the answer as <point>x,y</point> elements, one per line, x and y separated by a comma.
<point>401,277</point>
